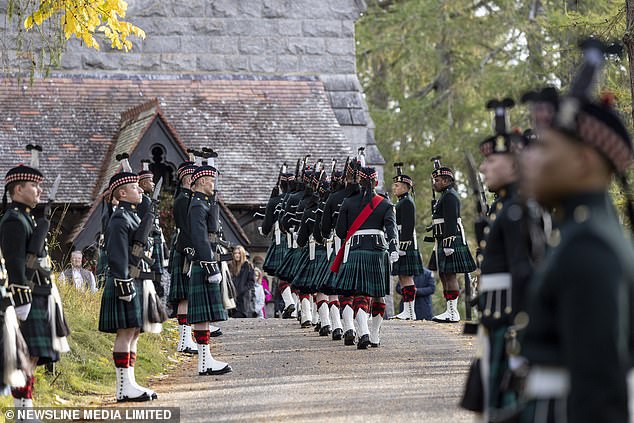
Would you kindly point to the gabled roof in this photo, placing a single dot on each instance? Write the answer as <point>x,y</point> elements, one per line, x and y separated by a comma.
<point>254,122</point>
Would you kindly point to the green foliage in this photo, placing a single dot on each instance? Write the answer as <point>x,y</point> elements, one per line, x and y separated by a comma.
<point>429,66</point>
<point>86,375</point>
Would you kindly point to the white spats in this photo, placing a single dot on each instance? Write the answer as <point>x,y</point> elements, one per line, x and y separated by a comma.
<point>324,314</point>
<point>375,329</point>
<point>451,315</point>
<point>207,365</point>
<point>132,380</point>
<point>348,318</point>
<point>362,323</point>
<point>408,313</point>
<point>126,391</point>
<point>306,312</point>
<point>189,342</point>
<point>335,318</point>
<point>287,297</point>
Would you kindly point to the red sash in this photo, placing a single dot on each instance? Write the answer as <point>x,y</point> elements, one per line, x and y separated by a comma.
<point>360,220</point>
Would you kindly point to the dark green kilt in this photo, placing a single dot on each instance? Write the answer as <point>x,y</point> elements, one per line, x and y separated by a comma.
<point>118,314</point>
<point>275,255</point>
<point>327,279</point>
<point>306,279</point>
<point>300,262</point>
<point>179,282</point>
<point>205,300</point>
<point>367,272</point>
<point>460,261</point>
<point>36,330</point>
<point>408,265</point>
<point>284,272</point>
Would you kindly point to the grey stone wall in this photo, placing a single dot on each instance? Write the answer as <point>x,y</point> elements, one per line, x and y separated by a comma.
<point>233,36</point>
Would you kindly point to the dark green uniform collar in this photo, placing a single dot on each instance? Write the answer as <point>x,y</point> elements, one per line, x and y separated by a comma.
<point>400,197</point>
<point>578,206</point>
<point>187,192</point>
<point>201,196</point>
<point>508,190</point>
<point>127,206</point>
<point>21,206</point>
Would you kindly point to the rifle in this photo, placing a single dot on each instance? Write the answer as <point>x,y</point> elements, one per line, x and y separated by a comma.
<point>141,236</point>
<point>436,161</point>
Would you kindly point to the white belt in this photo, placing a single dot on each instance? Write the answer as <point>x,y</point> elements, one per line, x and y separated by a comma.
<point>547,382</point>
<point>464,238</point>
<point>311,247</point>
<point>337,244</point>
<point>495,282</point>
<point>329,247</point>
<point>415,240</point>
<point>278,233</point>
<point>360,232</point>
<point>289,239</point>
<point>437,221</point>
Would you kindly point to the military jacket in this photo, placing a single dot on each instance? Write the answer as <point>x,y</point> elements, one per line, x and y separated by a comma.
<point>406,221</point>
<point>507,263</point>
<point>445,217</point>
<point>16,227</point>
<point>289,215</point>
<point>272,212</point>
<point>332,207</point>
<point>578,308</point>
<point>181,207</point>
<point>120,238</point>
<point>203,220</point>
<point>145,206</point>
<point>381,218</point>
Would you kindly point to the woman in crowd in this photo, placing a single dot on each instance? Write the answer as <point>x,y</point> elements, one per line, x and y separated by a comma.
<point>243,276</point>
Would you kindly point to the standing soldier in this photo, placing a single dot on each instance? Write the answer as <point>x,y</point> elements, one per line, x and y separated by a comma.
<point>506,265</point>
<point>578,339</point>
<point>122,302</point>
<point>204,296</point>
<point>181,258</point>
<point>368,225</point>
<point>23,243</point>
<point>409,263</point>
<point>451,254</point>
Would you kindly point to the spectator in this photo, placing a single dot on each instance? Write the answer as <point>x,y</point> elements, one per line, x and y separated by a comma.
<point>260,294</point>
<point>77,275</point>
<point>243,277</point>
<point>425,287</point>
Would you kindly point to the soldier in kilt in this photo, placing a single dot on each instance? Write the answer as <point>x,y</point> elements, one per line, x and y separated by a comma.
<point>122,301</point>
<point>339,305</point>
<point>204,297</point>
<point>579,338</point>
<point>278,248</point>
<point>505,266</point>
<point>409,263</point>
<point>365,270</point>
<point>179,281</point>
<point>451,254</point>
<point>37,301</point>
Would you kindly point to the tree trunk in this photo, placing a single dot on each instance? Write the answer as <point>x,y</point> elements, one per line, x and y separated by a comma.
<point>628,40</point>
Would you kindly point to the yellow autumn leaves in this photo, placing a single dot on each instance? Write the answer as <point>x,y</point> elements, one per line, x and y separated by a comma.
<point>83,18</point>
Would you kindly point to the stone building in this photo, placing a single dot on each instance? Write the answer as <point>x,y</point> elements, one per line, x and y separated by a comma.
<point>262,81</point>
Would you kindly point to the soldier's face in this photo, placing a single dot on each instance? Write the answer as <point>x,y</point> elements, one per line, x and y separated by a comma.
<point>399,188</point>
<point>440,183</point>
<point>28,193</point>
<point>205,185</point>
<point>147,185</point>
<point>187,181</point>
<point>131,193</point>
<point>550,167</point>
<point>499,170</point>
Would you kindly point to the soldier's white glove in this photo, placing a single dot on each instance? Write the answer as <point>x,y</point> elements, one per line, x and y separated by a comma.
<point>260,230</point>
<point>448,251</point>
<point>22,312</point>
<point>393,256</point>
<point>215,278</point>
<point>295,236</point>
<point>127,298</point>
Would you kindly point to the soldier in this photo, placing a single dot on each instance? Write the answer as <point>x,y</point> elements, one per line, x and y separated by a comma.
<point>23,244</point>
<point>451,254</point>
<point>409,263</point>
<point>368,225</point>
<point>578,339</point>
<point>204,296</point>
<point>181,258</point>
<point>506,265</point>
<point>146,183</point>
<point>122,310</point>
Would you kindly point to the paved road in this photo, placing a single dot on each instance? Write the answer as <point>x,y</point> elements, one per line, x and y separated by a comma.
<point>285,373</point>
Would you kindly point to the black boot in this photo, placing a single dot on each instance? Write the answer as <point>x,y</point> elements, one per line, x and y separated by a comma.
<point>288,311</point>
<point>324,331</point>
<point>337,334</point>
<point>348,337</point>
<point>364,342</point>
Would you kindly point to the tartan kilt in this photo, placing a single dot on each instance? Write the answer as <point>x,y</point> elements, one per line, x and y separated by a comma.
<point>275,256</point>
<point>366,272</point>
<point>327,279</point>
<point>408,265</point>
<point>179,282</point>
<point>205,299</point>
<point>298,267</point>
<point>36,330</point>
<point>460,261</point>
<point>284,271</point>
<point>307,278</point>
<point>118,314</point>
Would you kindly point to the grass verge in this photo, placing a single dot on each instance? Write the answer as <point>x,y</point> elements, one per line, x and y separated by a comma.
<point>85,376</point>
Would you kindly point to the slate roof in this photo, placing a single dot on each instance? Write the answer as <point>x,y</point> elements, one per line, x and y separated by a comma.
<point>254,122</point>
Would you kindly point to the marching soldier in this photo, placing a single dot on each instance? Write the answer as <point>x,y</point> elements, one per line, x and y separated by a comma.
<point>122,305</point>
<point>451,254</point>
<point>23,244</point>
<point>367,224</point>
<point>506,265</point>
<point>578,339</point>
<point>204,296</point>
<point>409,263</point>
<point>179,281</point>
